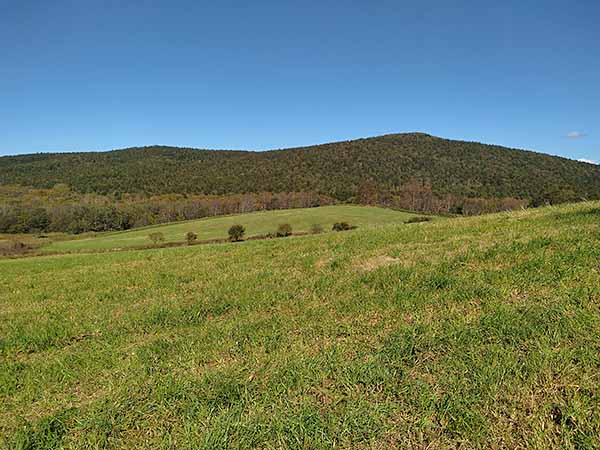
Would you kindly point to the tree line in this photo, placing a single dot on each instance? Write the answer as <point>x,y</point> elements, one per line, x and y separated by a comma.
<point>419,196</point>
<point>59,209</point>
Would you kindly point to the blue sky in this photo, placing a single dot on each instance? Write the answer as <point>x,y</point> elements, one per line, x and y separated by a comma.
<point>98,75</point>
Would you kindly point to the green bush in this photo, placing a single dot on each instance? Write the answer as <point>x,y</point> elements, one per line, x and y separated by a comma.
<point>191,237</point>
<point>156,237</point>
<point>236,233</point>
<point>316,228</point>
<point>284,230</point>
<point>342,226</point>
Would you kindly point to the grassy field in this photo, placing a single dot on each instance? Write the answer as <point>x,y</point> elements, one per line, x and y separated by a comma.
<point>479,332</point>
<point>255,223</point>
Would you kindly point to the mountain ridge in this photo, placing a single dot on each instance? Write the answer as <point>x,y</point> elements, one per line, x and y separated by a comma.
<point>466,168</point>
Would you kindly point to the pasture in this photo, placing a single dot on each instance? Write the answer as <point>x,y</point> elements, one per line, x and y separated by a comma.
<point>479,332</point>
<point>256,223</point>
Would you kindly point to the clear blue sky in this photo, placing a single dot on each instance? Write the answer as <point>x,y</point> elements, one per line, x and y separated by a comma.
<point>97,75</point>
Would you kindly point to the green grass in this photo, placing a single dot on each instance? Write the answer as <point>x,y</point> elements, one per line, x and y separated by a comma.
<point>469,333</point>
<point>255,223</point>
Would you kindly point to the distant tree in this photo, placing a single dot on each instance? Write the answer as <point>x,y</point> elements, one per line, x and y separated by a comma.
<point>236,233</point>
<point>368,193</point>
<point>554,196</point>
<point>417,195</point>
<point>8,220</point>
<point>191,237</point>
<point>38,220</point>
<point>316,228</point>
<point>284,230</point>
<point>156,237</point>
<point>456,209</point>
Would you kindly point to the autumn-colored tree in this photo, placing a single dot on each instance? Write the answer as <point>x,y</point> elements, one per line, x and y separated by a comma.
<point>368,193</point>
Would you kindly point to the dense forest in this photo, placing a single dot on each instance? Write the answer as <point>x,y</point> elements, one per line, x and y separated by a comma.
<point>122,189</point>
<point>460,168</point>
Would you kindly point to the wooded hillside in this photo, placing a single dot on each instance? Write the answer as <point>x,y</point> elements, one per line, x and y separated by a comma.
<point>460,168</point>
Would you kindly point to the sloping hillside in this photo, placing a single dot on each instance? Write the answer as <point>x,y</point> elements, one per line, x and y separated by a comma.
<point>258,223</point>
<point>469,333</point>
<point>337,169</point>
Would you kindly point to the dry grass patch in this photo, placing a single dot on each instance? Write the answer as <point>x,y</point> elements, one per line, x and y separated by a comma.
<point>376,262</point>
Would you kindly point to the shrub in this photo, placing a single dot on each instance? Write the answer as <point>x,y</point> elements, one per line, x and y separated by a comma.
<point>342,226</point>
<point>191,237</point>
<point>236,233</point>
<point>283,230</point>
<point>156,237</point>
<point>316,228</point>
<point>417,219</point>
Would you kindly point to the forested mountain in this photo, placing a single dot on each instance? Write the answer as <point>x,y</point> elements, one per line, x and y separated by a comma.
<point>121,189</point>
<point>466,169</point>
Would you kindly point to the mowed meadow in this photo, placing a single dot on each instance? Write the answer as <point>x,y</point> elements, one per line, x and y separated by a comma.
<point>479,332</point>
<point>256,223</point>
